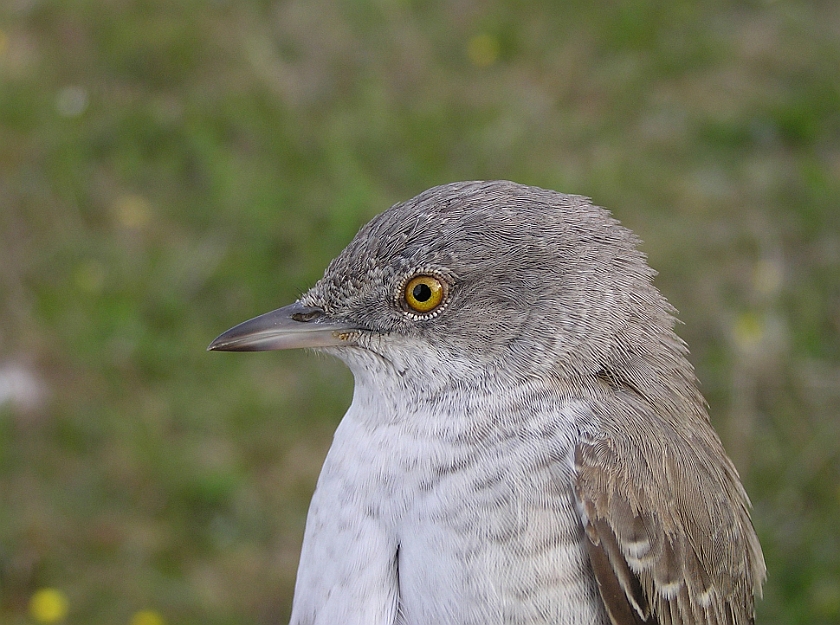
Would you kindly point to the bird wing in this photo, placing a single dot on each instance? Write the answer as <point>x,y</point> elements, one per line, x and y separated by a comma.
<point>668,544</point>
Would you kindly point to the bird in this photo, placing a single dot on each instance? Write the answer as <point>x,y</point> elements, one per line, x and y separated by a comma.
<point>526,442</point>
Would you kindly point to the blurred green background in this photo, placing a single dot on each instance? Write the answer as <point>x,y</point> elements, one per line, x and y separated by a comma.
<point>171,168</point>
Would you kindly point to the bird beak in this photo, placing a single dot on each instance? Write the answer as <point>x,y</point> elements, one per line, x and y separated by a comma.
<point>289,327</point>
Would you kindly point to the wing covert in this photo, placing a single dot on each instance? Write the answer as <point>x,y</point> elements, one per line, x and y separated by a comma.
<point>668,530</point>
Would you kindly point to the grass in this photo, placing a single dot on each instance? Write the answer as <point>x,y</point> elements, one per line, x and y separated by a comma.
<point>168,169</point>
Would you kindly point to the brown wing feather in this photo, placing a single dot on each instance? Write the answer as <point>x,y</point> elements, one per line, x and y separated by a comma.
<point>667,524</point>
<point>619,587</point>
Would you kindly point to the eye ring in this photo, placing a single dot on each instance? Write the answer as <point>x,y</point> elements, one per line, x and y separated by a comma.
<point>423,294</point>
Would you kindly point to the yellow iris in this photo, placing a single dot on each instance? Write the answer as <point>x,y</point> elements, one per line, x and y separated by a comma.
<point>423,294</point>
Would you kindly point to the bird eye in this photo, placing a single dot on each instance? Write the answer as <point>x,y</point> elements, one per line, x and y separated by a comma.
<point>422,294</point>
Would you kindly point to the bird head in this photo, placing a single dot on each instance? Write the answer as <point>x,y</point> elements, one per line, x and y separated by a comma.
<point>485,283</point>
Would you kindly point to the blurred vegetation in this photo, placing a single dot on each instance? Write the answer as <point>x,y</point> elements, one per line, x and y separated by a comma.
<point>168,169</point>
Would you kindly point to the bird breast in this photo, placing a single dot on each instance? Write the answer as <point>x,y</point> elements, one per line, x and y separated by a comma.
<point>461,529</point>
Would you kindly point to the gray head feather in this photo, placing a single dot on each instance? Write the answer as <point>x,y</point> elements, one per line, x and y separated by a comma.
<point>542,285</point>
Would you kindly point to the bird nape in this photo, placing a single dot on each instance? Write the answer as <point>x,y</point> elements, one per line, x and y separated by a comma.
<point>526,442</point>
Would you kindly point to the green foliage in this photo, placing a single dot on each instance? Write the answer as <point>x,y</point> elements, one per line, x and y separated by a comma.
<point>168,169</point>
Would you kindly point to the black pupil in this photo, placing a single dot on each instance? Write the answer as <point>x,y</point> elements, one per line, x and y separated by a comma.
<point>422,292</point>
